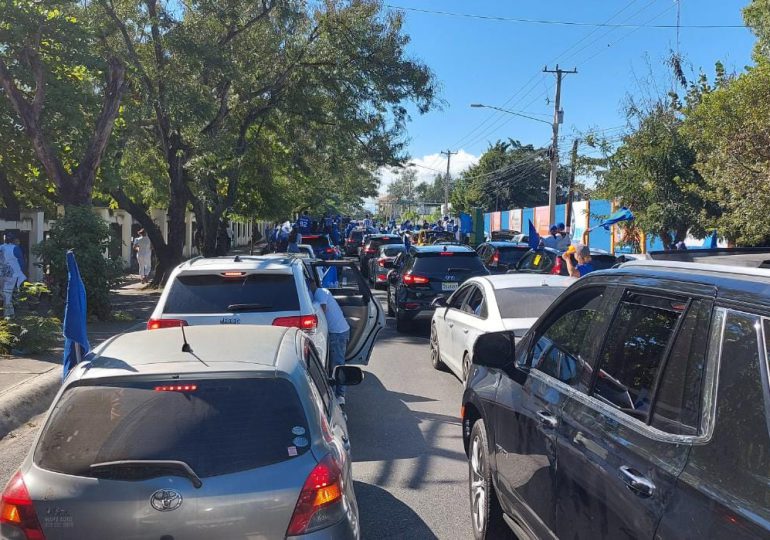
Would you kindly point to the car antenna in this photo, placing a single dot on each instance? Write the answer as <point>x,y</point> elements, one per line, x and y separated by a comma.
<point>188,349</point>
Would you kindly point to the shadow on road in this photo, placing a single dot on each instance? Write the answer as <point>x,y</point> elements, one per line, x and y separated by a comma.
<point>399,521</point>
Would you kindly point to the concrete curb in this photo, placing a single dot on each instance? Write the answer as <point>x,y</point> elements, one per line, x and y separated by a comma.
<point>28,399</point>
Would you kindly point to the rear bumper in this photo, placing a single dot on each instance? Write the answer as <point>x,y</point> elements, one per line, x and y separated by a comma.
<point>343,530</point>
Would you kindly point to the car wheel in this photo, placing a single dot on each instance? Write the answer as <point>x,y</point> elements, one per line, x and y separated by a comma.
<point>486,514</point>
<point>391,313</point>
<point>435,352</point>
<point>466,367</point>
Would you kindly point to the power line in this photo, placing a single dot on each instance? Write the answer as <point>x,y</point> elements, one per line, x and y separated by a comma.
<point>564,23</point>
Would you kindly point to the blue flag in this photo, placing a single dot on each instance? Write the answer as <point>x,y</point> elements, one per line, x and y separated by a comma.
<point>624,214</point>
<point>75,336</point>
<point>711,241</point>
<point>534,238</point>
<point>466,223</point>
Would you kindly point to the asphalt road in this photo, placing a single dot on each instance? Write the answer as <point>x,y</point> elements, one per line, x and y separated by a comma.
<point>409,465</point>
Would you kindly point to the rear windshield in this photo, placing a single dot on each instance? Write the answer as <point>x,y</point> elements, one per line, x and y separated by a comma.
<point>393,251</point>
<point>603,262</point>
<point>356,235</point>
<point>223,426</point>
<point>510,255</point>
<point>377,242</point>
<point>535,261</point>
<point>464,263</point>
<point>317,242</point>
<point>211,293</point>
<point>525,302</point>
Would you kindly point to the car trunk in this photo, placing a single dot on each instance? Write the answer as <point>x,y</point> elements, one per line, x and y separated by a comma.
<point>108,459</point>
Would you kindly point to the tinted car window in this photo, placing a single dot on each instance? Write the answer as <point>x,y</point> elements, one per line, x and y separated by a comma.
<point>678,400</point>
<point>568,344</point>
<point>475,304</point>
<point>511,256</point>
<point>211,293</point>
<point>457,299</point>
<point>525,302</point>
<point>356,236</point>
<point>392,251</point>
<point>374,243</point>
<point>340,279</point>
<point>634,351</point>
<point>221,427</point>
<point>320,380</point>
<point>317,242</point>
<point>603,262</point>
<point>459,263</point>
<point>535,261</point>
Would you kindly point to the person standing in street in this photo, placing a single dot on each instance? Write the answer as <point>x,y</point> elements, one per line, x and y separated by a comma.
<point>143,248</point>
<point>339,332</point>
<point>295,239</point>
<point>11,275</point>
<point>552,240</point>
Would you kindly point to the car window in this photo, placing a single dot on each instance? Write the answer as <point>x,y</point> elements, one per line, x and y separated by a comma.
<point>475,304</point>
<point>391,251</point>
<point>633,353</point>
<point>318,375</point>
<point>510,256</point>
<point>525,302</point>
<point>213,293</point>
<point>458,297</point>
<point>678,399</point>
<point>356,236</point>
<point>341,280</point>
<point>460,264</point>
<point>567,342</point>
<point>535,261</point>
<point>216,426</point>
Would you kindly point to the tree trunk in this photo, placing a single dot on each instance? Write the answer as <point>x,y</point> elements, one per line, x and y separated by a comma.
<point>11,210</point>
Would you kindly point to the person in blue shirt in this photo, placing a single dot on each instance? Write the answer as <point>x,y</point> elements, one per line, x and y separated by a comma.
<point>582,256</point>
<point>303,223</point>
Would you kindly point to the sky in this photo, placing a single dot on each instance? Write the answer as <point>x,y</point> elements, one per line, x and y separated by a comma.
<point>500,63</point>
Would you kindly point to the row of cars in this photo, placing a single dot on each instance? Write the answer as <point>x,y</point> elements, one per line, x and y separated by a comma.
<point>631,403</point>
<point>189,430</point>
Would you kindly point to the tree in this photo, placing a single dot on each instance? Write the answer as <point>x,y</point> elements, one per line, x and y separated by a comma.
<point>64,94</point>
<point>431,192</point>
<point>653,173</point>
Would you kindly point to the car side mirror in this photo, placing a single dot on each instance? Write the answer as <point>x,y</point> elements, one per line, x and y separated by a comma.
<point>347,375</point>
<point>438,302</point>
<point>494,350</point>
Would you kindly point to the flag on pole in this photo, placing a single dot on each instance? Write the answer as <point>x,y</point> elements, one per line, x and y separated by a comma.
<point>534,238</point>
<point>75,336</point>
<point>624,214</point>
<point>711,241</point>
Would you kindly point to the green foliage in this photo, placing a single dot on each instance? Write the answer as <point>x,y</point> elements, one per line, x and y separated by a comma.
<point>36,333</point>
<point>89,236</point>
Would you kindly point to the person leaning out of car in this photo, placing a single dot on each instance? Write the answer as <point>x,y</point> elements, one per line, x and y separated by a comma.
<point>582,256</point>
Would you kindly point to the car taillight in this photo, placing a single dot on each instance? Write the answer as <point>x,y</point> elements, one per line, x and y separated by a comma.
<point>556,269</point>
<point>177,388</point>
<point>415,279</point>
<point>320,501</point>
<point>496,257</point>
<point>382,261</point>
<point>155,324</point>
<point>369,251</point>
<point>17,510</point>
<point>303,322</point>
<point>329,250</point>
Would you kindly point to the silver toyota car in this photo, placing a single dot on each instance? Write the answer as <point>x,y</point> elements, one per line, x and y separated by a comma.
<point>191,433</point>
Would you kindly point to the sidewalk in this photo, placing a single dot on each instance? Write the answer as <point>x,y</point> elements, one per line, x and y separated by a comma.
<point>27,385</point>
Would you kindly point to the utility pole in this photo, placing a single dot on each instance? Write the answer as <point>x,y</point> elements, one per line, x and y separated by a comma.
<point>448,154</point>
<point>557,119</point>
<point>571,193</point>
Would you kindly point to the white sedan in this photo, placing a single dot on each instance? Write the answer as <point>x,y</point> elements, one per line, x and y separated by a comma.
<point>488,304</point>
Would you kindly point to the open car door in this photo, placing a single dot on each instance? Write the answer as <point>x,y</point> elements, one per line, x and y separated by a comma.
<point>362,310</point>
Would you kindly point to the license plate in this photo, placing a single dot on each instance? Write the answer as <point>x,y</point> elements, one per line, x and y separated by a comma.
<point>449,285</point>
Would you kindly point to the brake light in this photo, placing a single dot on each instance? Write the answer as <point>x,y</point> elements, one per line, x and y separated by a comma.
<point>303,322</point>
<point>381,277</point>
<point>382,261</point>
<point>446,253</point>
<point>233,274</point>
<point>177,388</point>
<point>556,270</point>
<point>320,501</point>
<point>329,250</point>
<point>496,257</point>
<point>155,324</point>
<point>415,279</point>
<point>17,510</point>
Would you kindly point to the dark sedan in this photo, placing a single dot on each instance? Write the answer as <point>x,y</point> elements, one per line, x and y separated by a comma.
<point>381,265</point>
<point>501,256</point>
<point>371,245</point>
<point>548,261</point>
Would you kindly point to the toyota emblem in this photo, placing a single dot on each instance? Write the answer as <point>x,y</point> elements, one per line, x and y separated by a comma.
<point>165,500</point>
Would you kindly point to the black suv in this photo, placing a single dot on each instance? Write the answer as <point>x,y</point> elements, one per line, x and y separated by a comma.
<point>371,244</point>
<point>637,406</point>
<point>426,272</point>
<point>546,260</point>
<point>501,256</point>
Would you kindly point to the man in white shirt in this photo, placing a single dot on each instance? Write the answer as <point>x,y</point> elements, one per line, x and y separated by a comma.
<point>339,333</point>
<point>143,247</point>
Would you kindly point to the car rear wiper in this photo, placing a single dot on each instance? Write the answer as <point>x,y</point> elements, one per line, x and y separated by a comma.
<point>458,269</point>
<point>248,307</point>
<point>142,469</point>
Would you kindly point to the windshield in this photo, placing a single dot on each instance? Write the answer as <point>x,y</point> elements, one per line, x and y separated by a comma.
<point>220,427</point>
<point>463,263</point>
<point>212,293</point>
<point>392,251</point>
<point>525,302</point>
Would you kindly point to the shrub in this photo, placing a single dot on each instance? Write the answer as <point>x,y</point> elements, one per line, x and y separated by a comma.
<point>85,232</point>
<point>29,334</point>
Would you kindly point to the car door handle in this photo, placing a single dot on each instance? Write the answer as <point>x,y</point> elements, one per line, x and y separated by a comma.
<point>451,325</point>
<point>465,331</point>
<point>636,482</point>
<point>547,419</point>
<point>346,443</point>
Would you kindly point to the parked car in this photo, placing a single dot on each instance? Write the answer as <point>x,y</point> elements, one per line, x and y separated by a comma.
<point>501,256</point>
<point>266,290</point>
<point>354,241</point>
<point>548,261</point>
<point>487,304</point>
<point>635,407</point>
<point>323,247</point>
<point>426,272</point>
<point>370,248</point>
<point>149,439</point>
<point>380,266</point>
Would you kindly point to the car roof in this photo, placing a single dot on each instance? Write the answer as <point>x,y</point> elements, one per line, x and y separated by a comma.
<point>215,348</point>
<point>274,263</point>
<point>594,251</point>
<point>507,244</point>
<point>454,248</point>
<point>512,281</point>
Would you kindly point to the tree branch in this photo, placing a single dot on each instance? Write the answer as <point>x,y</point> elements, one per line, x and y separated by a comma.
<point>267,6</point>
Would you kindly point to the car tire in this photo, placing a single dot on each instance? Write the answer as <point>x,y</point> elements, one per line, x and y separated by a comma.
<point>466,367</point>
<point>435,351</point>
<point>486,513</point>
<point>391,313</point>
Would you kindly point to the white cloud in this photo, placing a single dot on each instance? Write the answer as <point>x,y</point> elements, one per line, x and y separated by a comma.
<point>427,167</point>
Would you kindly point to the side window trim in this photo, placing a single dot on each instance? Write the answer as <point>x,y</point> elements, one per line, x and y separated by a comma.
<point>475,287</point>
